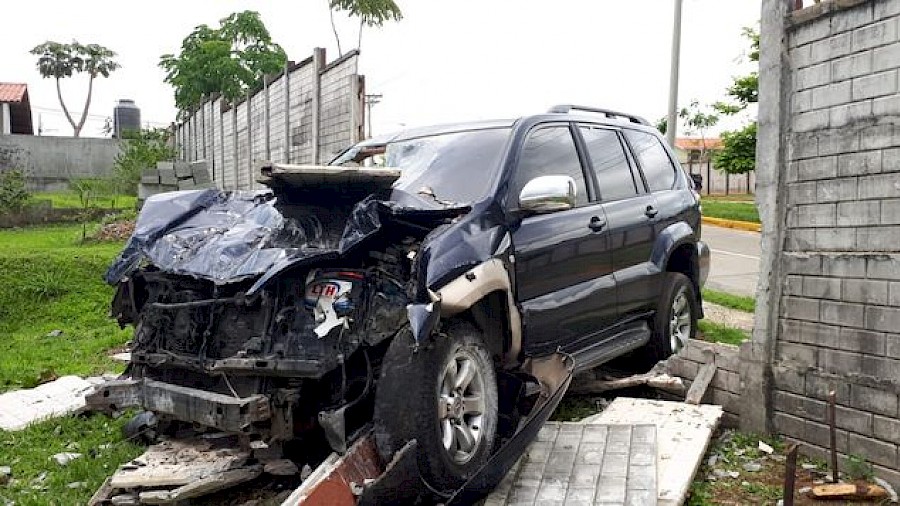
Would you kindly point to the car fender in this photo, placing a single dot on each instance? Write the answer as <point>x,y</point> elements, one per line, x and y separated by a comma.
<point>670,239</point>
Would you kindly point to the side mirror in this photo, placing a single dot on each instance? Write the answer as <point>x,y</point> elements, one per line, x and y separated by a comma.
<point>698,181</point>
<point>547,194</point>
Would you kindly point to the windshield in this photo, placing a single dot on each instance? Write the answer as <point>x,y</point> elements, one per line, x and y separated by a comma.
<point>452,168</point>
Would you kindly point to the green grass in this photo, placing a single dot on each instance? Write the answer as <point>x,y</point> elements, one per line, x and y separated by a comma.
<point>70,200</point>
<point>715,333</point>
<point>730,210</point>
<point>50,281</point>
<point>28,452</point>
<point>741,303</point>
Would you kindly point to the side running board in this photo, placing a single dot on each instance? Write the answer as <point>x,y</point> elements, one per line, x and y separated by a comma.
<point>628,339</point>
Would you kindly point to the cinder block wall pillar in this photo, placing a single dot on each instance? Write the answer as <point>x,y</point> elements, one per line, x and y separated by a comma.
<point>829,192</point>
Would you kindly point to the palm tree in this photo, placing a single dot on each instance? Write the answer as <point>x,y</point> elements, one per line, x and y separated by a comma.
<point>60,61</point>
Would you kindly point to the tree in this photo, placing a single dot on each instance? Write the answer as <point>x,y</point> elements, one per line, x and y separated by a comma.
<point>369,12</point>
<point>697,119</point>
<point>738,152</point>
<point>60,61</point>
<point>231,60</point>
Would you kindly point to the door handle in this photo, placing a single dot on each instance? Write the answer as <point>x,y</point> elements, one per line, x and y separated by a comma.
<point>651,211</point>
<point>597,224</point>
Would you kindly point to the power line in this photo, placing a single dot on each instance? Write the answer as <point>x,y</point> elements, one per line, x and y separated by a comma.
<point>371,100</point>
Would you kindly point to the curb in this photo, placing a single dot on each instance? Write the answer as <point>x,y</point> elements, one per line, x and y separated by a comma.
<point>739,225</point>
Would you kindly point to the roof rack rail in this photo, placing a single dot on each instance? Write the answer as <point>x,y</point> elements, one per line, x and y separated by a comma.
<point>565,108</point>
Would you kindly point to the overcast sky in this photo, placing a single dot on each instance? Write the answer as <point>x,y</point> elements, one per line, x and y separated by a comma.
<point>445,61</point>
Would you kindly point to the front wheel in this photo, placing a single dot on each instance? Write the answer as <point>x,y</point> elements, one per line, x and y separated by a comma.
<point>676,317</point>
<point>443,395</point>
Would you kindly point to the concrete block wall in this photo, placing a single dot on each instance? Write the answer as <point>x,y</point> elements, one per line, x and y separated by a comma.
<point>49,163</point>
<point>174,176</point>
<point>305,115</point>
<point>726,386</point>
<point>832,310</point>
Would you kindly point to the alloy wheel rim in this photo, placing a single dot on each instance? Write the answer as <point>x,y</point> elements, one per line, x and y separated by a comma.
<point>461,407</point>
<point>680,323</point>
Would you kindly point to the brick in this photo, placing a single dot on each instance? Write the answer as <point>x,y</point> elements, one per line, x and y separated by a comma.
<point>793,285</point>
<point>800,239</point>
<point>844,266</point>
<point>811,77</point>
<point>873,399</point>
<point>852,66</point>
<point>840,362</point>
<point>799,308</point>
<point>875,85</point>
<point>836,190</point>
<point>801,101</point>
<point>727,380</point>
<point>818,434</point>
<point>890,160</point>
<point>800,56</point>
<point>893,294</point>
<point>882,318</point>
<point>874,35</point>
<point>817,168</point>
<point>804,264</point>
<point>834,142</point>
<point>875,239</point>
<point>878,452</point>
<point>882,267</point>
<point>791,330</point>
<point>822,288</point>
<point>854,420</point>
<point>862,341</point>
<point>865,291</point>
<point>886,57</point>
<point>831,48</point>
<point>883,368</point>
<point>886,106</point>
<point>819,387</point>
<point>886,9</point>
<point>848,19</point>
<point>890,211</point>
<point>832,94</point>
<point>798,353</point>
<point>879,186</point>
<point>847,114</point>
<point>789,425</point>
<point>803,145</point>
<point>802,193</point>
<point>819,335</point>
<point>841,239</point>
<point>855,164</point>
<point>798,405</point>
<point>788,379</point>
<point>887,429</point>
<point>816,215</point>
<point>866,212</point>
<point>877,137</point>
<point>809,32</point>
<point>810,121</point>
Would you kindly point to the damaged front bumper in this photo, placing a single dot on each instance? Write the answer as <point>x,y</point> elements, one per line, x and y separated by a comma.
<point>223,412</point>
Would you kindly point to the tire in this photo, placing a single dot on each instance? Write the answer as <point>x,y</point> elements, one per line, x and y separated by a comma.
<point>414,400</point>
<point>675,320</point>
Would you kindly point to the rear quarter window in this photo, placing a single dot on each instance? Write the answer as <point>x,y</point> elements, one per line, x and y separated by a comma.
<point>653,159</point>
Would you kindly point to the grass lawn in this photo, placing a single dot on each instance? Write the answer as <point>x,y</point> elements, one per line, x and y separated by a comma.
<point>28,452</point>
<point>739,302</point>
<point>51,282</point>
<point>737,209</point>
<point>716,333</point>
<point>69,200</point>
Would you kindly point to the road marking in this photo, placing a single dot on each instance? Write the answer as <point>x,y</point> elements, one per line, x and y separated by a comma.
<point>734,254</point>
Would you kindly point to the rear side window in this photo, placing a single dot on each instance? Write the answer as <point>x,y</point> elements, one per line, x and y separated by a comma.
<point>654,160</point>
<point>614,176</point>
<point>550,151</point>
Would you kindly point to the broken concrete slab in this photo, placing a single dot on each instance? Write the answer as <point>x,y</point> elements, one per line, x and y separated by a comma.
<point>683,433</point>
<point>64,396</point>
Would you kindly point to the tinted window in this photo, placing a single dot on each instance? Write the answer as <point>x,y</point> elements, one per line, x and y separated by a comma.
<point>608,158</point>
<point>550,151</point>
<point>654,161</point>
<point>455,167</point>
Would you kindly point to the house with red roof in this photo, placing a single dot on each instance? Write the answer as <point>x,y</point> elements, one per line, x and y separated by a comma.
<point>15,109</point>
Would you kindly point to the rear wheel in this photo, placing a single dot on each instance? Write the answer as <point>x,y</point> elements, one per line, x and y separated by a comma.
<point>443,395</point>
<point>676,318</point>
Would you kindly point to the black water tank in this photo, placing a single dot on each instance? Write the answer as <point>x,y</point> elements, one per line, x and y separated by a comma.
<point>126,116</point>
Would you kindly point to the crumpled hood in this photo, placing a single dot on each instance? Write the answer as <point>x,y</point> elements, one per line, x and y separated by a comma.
<point>226,237</point>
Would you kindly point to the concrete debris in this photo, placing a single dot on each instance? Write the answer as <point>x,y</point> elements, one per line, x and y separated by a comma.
<point>765,448</point>
<point>808,467</point>
<point>65,457</point>
<point>76,484</point>
<point>125,500</point>
<point>122,357</point>
<point>40,478</point>
<point>804,490</point>
<point>20,408</point>
<point>890,490</point>
<point>5,474</point>
<point>55,333</point>
<point>281,467</point>
<point>752,467</point>
<point>721,473</point>
<point>712,460</point>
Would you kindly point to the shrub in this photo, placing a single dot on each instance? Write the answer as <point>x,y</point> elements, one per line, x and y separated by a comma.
<point>13,195</point>
<point>141,150</point>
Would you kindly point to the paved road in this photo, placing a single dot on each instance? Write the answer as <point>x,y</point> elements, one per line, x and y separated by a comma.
<point>735,260</point>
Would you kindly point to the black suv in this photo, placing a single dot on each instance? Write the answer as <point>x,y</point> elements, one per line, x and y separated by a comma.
<point>412,283</point>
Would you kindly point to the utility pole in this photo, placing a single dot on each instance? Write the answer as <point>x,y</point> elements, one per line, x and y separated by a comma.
<point>672,120</point>
<point>371,100</point>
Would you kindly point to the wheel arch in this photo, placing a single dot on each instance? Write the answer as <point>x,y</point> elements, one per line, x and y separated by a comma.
<point>676,251</point>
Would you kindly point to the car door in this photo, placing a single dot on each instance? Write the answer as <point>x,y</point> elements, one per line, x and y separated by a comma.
<point>638,279</point>
<point>563,264</point>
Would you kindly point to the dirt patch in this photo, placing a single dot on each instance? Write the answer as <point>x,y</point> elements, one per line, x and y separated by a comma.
<point>116,231</point>
<point>733,318</point>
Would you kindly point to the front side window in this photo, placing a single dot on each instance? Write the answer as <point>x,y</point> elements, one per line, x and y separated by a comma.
<point>550,151</point>
<point>654,160</point>
<point>614,177</point>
